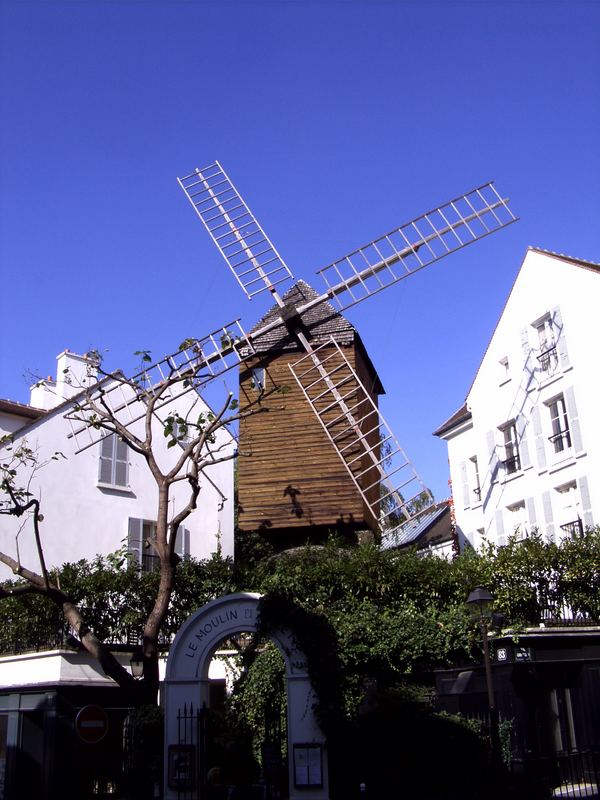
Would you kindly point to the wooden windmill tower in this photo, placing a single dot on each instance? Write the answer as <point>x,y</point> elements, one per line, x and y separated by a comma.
<point>325,458</point>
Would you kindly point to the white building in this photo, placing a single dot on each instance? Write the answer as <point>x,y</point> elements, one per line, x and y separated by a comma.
<point>104,498</point>
<point>524,450</point>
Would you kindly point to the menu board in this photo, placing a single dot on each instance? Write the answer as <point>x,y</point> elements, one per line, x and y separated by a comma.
<point>308,765</point>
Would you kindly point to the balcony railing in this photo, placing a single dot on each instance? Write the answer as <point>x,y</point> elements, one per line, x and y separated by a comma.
<point>548,360</point>
<point>512,464</point>
<point>573,529</point>
<point>561,441</point>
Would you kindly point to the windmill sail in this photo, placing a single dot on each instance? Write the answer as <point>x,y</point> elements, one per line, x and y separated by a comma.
<point>385,478</point>
<point>244,245</point>
<point>407,249</point>
<point>196,363</point>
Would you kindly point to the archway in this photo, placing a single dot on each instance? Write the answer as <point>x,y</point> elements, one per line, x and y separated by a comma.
<point>186,692</point>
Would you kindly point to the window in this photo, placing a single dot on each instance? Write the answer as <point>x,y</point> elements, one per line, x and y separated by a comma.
<point>517,520</point>
<point>511,461</point>
<point>474,481</point>
<point>561,435</point>
<point>150,560</point>
<point>141,534</point>
<point>114,462</point>
<point>547,358</point>
<point>257,381</point>
<point>570,510</point>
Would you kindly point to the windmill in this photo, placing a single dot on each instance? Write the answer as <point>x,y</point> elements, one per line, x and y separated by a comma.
<point>339,390</point>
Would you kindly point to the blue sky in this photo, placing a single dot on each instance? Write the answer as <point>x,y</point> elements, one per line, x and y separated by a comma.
<point>336,120</point>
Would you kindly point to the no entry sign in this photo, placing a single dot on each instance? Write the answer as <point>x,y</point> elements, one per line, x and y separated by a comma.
<point>91,724</point>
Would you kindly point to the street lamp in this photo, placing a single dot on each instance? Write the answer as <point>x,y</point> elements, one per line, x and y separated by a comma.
<point>137,664</point>
<point>479,603</point>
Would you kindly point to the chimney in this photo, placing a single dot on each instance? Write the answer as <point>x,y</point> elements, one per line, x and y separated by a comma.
<point>73,373</point>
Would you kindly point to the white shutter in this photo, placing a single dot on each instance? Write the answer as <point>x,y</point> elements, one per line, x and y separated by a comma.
<point>500,537</point>
<point>135,539</point>
<point>531,513</point>
<point>522,446</point>
<point>540,447</point>
<point>586,504</point>
<point>548,517</point>
<point>561,342</point>
<point>493,462</point>
<point>525,347</point>
<point>465,484</point>
<point>569,395</point>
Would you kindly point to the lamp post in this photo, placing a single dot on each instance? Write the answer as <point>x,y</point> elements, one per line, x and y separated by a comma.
<point>479,603</point>
<point>137,664</point>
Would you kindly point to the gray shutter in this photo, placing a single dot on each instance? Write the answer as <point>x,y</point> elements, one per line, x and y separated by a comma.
<point>530,503</point>
<point>493,462</point>
<point>106,460</point>
<point>465,484</point>
<point>121,462</point>
<point>586,505</point>
<point>134,538</point>
<point>548,518</point>
<point>561,342</point>
<point>540,447</point>
<point>569,395</point>
<point>500,537</point>
<point>182,542</point>
<point>522,442</point>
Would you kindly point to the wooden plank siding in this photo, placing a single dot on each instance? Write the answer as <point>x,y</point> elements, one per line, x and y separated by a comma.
<point>289,474</point>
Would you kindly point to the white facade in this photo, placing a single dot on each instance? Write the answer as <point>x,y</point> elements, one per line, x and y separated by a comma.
<point>104,498</point>
<point>524,451</point>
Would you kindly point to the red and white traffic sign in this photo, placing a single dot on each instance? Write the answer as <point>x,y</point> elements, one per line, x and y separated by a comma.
<point>91,724</point>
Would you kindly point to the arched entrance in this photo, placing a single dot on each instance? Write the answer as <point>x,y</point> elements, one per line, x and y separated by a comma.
<point>187,688</point>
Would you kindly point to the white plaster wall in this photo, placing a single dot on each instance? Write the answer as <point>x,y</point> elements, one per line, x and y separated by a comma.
<point>82,520</point>
<point>543,284</point>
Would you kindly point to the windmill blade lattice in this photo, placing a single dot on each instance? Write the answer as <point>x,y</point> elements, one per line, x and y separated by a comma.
<point>415,245</point>
<point>244,245</point>
<point>196,363</point>
<point>385,478</point>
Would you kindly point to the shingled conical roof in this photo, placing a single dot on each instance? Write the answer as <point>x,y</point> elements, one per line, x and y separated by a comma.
<point>320,323</point>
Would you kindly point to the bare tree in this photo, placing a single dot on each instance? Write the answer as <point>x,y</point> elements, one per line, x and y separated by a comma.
<point>196,447</point>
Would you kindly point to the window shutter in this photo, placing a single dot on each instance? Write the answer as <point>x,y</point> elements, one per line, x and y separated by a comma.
<point>121,462</point>
<point>134,538</point>
<point>500,537</point>
<point>586,505</point>
<point>561,342</point>
<point>569,395</point>
<point>179,541</point>
<point>528,361</point>
<point>548,518</point>
<point>530,502</point>
<point>106,459</point>
<point>525,345</point>
<point>465,484</point>
<point>540,448</point>
<point>493,462</point>
<point>522,442</point>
